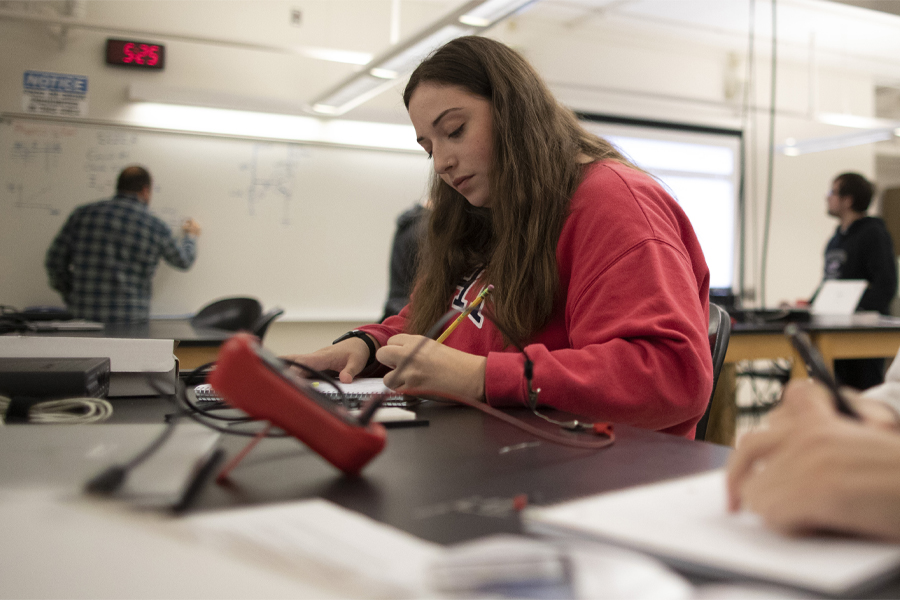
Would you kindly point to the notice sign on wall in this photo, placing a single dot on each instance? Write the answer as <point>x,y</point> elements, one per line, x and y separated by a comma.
<point>54,94</point>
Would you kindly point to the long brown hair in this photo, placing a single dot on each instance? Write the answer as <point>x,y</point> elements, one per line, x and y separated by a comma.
<point>535,171</point>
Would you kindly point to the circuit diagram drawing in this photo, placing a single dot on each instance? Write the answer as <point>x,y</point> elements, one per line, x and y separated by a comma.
<point>36,156</point>
<point>271,171</point>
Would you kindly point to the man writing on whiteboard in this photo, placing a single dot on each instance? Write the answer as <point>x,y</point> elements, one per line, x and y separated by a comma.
<point>103,260</point>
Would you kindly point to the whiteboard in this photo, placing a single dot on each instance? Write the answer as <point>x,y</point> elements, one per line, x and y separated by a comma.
<point>304,227</point>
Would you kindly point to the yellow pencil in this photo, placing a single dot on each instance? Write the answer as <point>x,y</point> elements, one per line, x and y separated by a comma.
<point>465,313</point>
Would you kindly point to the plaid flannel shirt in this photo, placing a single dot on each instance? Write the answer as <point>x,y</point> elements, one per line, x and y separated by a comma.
<point>104,258</point>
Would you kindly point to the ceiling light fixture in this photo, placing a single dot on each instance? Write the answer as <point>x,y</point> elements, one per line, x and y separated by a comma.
<point>797,147</point>
<point>269,126</point>
<point>382,72</point>
<point>854,121</point>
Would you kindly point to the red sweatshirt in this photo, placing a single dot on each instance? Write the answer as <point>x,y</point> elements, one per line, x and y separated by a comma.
<point>627,341</point>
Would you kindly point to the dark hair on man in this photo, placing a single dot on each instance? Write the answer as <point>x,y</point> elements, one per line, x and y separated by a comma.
<point>133,179</point>
<point>857,187</point>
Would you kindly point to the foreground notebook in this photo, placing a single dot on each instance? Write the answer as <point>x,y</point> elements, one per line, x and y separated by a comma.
<point>64,457</point>
<point>685,523</point>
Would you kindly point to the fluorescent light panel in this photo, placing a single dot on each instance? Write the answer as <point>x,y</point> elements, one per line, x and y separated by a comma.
<point>797,147</point>
<point>472,17</point>
<point>383,73</point>
<point>491,11</point>
<point>292,128</point>
<point>408,58</point>
<point>331,54</point>
<point>855,121</point>
<point>358,87</point>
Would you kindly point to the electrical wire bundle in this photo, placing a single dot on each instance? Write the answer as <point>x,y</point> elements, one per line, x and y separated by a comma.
<point>207,413</point>
<point>63,410</point>
<point>210,414</point>
<point>12,320</point>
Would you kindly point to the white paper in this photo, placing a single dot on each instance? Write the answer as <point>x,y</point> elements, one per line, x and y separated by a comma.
<point>76,547</point>
<point>316,531</point>
<point>686,521</point>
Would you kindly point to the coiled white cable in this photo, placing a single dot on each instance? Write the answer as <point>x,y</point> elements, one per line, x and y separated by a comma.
<point>67,410</point>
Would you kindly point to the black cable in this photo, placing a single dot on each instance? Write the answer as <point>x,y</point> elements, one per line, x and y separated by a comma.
<point>742,184</point>
<point>111,479</point>
<point>206,411</point>
<point>345,402</point>
<point>574,424</point>
<point>11,320</point>
<point>770,174</point>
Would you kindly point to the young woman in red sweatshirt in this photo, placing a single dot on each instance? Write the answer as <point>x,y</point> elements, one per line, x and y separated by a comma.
<point>597,272</point>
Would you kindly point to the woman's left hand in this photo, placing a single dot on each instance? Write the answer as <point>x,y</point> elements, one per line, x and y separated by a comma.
<point>434,369</point>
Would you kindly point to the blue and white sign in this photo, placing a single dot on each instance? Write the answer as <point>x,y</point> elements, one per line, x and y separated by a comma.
<point>56,94</point>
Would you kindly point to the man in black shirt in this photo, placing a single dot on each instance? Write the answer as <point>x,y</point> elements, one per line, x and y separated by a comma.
<point>861,248</point>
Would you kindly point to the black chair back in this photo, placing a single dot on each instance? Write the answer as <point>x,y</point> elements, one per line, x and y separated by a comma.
<point>262,323</point>
<point>719,334</point>
<point>230,314</point>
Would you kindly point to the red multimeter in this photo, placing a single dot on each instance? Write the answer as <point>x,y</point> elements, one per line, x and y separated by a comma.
<point>253,379</point>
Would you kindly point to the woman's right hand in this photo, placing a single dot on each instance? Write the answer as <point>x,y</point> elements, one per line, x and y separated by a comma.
<point>814,469</point>
<point>348,358</point>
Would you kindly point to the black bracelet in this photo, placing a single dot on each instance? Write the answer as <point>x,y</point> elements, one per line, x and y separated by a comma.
<point>364,337</point>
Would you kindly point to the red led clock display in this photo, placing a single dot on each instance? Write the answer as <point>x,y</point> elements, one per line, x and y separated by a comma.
<point>131,53</point>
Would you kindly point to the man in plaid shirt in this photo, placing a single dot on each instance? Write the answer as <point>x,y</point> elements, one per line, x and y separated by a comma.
<point>103,259</point>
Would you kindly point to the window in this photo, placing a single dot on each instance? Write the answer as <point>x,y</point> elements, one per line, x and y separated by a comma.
<point>701,171</point>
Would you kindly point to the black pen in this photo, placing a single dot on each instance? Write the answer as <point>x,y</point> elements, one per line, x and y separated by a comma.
<point>817,369</point>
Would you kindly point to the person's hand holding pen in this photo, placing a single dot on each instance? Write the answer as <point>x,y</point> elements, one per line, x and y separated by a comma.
<point>815,469</point>
<point>433,369</point>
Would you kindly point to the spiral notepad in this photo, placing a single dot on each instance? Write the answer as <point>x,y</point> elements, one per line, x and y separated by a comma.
<point>356,392</point>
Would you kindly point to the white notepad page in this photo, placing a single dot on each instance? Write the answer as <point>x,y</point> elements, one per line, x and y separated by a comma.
<point>685,522</point>
<point>317,534</point>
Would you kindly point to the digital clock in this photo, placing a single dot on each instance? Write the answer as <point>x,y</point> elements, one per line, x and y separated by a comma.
<point>131,53</point>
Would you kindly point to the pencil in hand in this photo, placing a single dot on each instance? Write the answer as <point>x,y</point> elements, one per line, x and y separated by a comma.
<point>478,300</point>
